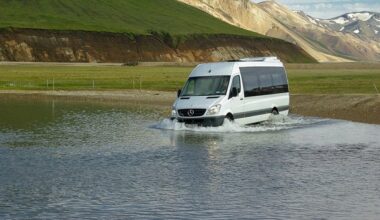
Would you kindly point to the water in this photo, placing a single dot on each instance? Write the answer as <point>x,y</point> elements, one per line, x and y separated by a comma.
<point>61,159</point>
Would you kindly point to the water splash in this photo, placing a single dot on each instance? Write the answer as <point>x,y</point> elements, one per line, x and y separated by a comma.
<point>275,123</point>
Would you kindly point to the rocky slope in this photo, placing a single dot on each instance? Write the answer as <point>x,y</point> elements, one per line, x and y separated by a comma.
<point>79,46</point>
<point>365,25</point>
<point>323,42</point>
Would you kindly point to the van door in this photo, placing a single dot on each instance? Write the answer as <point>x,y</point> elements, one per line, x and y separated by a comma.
<point>237,103</point>
<point>256,86</point>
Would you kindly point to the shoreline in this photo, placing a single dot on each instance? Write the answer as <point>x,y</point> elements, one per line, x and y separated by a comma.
<point>363,108</point>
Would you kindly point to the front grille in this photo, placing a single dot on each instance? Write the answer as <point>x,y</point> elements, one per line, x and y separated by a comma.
<point>188,112</point>
<point>206,122</point>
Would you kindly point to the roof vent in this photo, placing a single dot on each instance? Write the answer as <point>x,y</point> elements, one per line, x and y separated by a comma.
<point>259,59</point>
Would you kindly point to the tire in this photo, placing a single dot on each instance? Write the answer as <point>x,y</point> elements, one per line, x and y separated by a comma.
<point>275,112</point>
<point>229,117</point>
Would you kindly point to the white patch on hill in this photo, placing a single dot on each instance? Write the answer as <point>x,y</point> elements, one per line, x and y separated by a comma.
<point>360,16</point>
<point>341,20</point>
<point>376,31</point>
<point>356,31</point>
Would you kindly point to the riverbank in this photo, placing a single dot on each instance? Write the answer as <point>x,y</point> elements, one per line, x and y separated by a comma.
<point>350,78</point>
<point>353,107</point>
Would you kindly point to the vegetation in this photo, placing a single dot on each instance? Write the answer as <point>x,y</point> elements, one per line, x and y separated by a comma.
<point>342,78</point>
<point>303,78</point>
<point>121,16</point>
<point>93,77</point>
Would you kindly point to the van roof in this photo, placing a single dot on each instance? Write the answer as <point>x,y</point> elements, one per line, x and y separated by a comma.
<point>228,67</point>
<point>257,59</point>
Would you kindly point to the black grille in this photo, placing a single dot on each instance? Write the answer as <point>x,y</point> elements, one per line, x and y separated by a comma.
<point>191,112</point>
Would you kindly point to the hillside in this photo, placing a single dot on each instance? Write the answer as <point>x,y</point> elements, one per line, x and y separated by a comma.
<point>365,24</point>
<point>270,18</point>
<point>120,16</point>
<point>127,31</point>
<point>83,46</point>
<point>250,16</point>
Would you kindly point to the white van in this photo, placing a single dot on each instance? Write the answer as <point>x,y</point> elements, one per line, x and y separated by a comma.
<point>246,91</point>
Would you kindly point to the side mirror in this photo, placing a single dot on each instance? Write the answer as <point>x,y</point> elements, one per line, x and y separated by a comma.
<point>234,92</point>
<point>179,93</point>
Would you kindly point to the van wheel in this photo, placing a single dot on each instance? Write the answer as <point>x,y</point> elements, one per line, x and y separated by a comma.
<point>229,117</point>
<point>275,111</point>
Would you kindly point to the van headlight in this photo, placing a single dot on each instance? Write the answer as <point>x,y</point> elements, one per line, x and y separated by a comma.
<point>174,112</point>
<point>214,110</point>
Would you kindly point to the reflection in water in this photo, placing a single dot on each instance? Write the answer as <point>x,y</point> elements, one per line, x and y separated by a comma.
<point>185,139</point>
<point>95,160</point>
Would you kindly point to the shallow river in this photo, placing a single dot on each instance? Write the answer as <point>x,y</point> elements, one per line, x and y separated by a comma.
<point>60,159</point>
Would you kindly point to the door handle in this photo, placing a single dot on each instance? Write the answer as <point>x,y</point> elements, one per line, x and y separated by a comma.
<point>241,98</point>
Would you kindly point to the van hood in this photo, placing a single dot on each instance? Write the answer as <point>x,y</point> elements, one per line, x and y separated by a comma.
<point>197,102</point>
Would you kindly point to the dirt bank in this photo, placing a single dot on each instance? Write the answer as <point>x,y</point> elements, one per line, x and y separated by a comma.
<point>34,45</point>
<point>359,108</point>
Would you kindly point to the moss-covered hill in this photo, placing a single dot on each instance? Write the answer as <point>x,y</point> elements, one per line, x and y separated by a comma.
<point>121,16</point>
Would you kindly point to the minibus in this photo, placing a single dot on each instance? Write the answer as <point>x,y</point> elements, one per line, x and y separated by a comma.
<point>246,91</point>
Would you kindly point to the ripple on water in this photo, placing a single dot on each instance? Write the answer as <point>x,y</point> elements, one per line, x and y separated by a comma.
<point>99,162</point>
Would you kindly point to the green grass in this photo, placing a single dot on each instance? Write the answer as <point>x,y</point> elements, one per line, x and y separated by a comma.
<point>354,78</point>
<point>303,78</point>
<point>82,78</point>
<point>121,16</point>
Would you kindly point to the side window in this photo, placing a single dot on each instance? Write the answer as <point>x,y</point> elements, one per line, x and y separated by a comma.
<point>265,84</point>
<point>263,80</point>
<point>236,84</point>
<point>280,83</point>
<point>277,79</point>
<point>250,82</point>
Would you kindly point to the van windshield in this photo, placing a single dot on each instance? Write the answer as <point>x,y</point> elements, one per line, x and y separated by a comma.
<point>206,86</point>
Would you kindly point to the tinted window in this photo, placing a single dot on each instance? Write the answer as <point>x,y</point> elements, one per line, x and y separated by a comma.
<point>277,79</point>
<point>265,84</point>
<point>251,84</point>
<point>236,84</point>
<point>263,80</point>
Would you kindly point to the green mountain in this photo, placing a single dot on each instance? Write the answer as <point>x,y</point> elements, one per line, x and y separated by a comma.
<point>127,30</point>
<point>117,16</point>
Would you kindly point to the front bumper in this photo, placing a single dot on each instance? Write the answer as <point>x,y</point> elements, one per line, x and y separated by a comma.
<point>203,121</point>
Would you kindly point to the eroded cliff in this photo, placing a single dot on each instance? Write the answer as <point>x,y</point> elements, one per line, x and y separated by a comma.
<point>80,46</point>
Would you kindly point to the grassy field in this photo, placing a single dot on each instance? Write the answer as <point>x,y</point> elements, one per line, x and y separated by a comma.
<point>121,16</point>
<point>344,78</point>
<point>303,78</point>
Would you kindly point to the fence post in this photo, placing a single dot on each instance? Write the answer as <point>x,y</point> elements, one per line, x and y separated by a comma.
<point>47,84</point>
<point>140,82</point>
<point>53,85</point>
<point>374,85</point>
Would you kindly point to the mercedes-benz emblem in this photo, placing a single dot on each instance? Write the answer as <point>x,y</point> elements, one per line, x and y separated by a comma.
<point>190,112</point>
